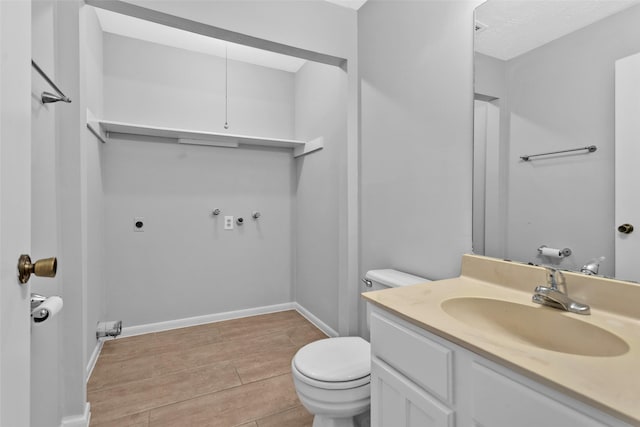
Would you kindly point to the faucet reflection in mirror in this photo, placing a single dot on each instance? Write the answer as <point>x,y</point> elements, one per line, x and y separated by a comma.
<point>544,82</point>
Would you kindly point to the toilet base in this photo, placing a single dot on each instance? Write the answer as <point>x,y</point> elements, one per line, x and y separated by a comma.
<point>320,421</point>
<point>361,420</point>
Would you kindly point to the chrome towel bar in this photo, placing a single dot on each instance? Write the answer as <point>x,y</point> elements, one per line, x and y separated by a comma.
<point>48,97</point>
<point>590,149</point>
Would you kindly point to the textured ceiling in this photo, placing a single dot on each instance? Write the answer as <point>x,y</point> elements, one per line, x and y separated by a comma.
<point>518,26</point>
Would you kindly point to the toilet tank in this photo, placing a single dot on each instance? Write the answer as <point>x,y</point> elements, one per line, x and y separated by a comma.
<point>388,278</point>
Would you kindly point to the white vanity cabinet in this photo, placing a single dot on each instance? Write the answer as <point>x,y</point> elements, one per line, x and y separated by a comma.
<point>420,379</point>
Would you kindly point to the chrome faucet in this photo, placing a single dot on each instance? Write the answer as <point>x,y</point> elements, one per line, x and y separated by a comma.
<point>553,297</point>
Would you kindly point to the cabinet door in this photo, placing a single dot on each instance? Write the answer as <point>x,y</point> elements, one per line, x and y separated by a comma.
<point>500,401</point>
<point>397,402</point>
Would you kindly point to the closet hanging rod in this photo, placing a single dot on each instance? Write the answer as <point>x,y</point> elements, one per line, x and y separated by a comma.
<point>48,97</point>
<point>590,149</point>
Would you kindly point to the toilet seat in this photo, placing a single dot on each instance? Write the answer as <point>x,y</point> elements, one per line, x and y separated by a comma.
<point>334,363</point>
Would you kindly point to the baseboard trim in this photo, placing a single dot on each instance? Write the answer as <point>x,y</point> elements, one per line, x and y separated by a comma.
<point>217,317</point>
<point>93,359</point>
<point>315,320</point>
<point>208,318</point>
<point>78,420</point>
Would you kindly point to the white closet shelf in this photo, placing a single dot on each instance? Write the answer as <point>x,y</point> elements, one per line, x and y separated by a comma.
<point>103,129</point>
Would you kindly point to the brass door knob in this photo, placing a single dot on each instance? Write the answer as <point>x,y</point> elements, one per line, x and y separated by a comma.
<point>43,268</point>
<point>625,228</point>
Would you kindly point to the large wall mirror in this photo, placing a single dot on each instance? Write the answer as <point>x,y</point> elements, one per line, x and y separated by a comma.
<point>545,83</point>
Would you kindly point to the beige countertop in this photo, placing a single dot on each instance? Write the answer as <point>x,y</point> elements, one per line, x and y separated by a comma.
<point>609,383</point>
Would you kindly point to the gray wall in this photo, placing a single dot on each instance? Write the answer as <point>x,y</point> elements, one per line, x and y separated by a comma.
<point>92,64</point>
<point>153,84</point>
<point>416,73</point>
<point>320,111</point>
<point>72,209</point>
<point>560,96</point>
<point>489,76</point>
<point>45,337</point>
<point>185,264</point>
<point>416,135</point>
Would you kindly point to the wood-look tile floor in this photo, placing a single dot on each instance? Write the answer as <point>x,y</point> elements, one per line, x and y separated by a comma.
<point>231,373</point>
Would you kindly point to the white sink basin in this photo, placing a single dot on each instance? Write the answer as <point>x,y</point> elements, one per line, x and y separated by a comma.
<point>541,327</point>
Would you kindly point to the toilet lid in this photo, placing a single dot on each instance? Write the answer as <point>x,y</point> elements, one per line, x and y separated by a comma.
<point>335,359</point>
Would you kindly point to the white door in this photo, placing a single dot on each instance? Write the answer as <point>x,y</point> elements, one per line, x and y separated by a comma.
<point>15,209</point>
<point>627,179</point>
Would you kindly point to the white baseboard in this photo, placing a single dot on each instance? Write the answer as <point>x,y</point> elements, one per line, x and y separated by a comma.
<point>78,420</point>
<point>207,318</point>
<point>315,320</point>
<point>217,317</point>
<point>93,359</point>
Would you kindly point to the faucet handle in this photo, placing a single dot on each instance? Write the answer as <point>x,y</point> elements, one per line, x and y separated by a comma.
<point>592,266</point>
<point>542,289</point>
<point>544,300</point>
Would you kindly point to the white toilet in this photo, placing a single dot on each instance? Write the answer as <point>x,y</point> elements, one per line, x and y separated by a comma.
<point>332,376</point>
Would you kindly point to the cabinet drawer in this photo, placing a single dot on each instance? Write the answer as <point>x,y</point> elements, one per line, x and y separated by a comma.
<point>501,401</point>
<point>426,362</point>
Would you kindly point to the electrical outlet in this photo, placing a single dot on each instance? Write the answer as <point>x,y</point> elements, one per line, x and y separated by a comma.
<point>228,223</point>
<point>138,223</point>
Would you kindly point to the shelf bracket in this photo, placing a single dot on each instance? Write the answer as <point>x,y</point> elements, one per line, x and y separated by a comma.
<point>94,126</point>
<point>309,147</point>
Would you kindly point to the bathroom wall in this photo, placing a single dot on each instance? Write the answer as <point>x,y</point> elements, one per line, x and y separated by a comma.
<point>153,84</point>
<point>45,337</point>
<point>320,111</point>
<point>185,264</point>
<point>489,76</point>
<point>559,96</point>
<point>92,88</point>
<point>72,214</point>
<point>416,73</point>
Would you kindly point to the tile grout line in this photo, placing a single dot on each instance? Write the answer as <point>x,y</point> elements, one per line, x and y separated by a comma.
<point>226,389</point>
<point>235,368</point>
<point>275,413</point>
<point>197,396</point>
